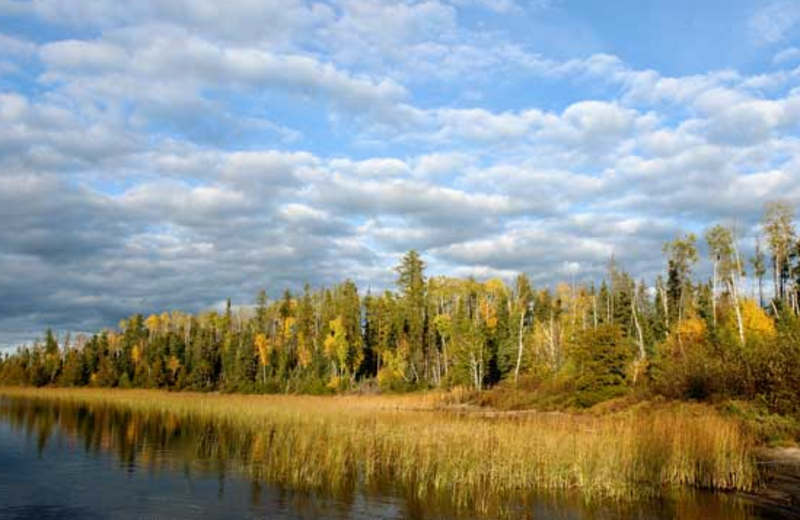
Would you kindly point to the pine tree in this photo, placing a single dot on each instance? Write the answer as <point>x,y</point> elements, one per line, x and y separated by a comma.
<point>411,281</point>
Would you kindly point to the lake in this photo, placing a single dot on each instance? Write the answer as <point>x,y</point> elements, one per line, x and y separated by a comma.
<point>70,460</point>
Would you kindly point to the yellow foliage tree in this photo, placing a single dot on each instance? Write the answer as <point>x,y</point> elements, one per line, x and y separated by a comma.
<point>165,320</point>
<point>495,286</point>
<point>348,356</point>
<point>136,354</point>
<point>264,349</point>
<point>114,341</point>
<point>689,331</point>
<point>288,328</point>
<point>262,345</point>
<point>153,324</point>
<point>488,313</point>
<point>330,340</point>
<point>393,369</point>
<point>757,324</point>
<point>304,354</point>
<point>174,364</point>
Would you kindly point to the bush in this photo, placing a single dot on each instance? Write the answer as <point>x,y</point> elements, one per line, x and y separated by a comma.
<point>767,427</point>
<point>776,372</point>
<point>688,366</point>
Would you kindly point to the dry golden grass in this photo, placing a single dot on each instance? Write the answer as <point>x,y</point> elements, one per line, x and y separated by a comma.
<point>462,459</point>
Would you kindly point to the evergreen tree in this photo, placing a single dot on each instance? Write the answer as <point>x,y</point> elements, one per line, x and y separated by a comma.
<point>411,281</point>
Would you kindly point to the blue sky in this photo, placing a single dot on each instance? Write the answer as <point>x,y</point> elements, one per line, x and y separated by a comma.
<point>165,154</point>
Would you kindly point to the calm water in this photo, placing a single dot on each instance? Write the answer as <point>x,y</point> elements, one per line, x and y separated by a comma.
<point>86,462</point>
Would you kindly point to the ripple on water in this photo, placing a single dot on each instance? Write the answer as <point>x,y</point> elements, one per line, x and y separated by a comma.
<point>71,461</point>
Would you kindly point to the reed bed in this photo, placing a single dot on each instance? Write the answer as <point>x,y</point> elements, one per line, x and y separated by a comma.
<point>410,443</point>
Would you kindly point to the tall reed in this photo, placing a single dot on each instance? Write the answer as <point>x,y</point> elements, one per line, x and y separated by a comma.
<point>466,461</point>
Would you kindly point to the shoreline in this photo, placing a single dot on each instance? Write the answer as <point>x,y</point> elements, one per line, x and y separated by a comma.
<point>776,486</point>
<point>780,469</point>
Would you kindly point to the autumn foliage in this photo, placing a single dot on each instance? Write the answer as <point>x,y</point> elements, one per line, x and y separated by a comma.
<point>582,343</point>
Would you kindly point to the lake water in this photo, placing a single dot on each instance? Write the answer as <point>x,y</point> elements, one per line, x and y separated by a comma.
<point>72,461</point>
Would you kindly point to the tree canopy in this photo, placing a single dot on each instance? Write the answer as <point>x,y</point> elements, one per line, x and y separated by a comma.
<point>682,337</point>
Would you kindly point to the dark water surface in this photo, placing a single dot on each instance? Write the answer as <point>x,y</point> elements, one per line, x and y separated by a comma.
<point>70,461</point>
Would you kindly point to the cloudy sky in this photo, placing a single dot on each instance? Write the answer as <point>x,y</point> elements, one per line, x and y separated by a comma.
<point>167,154</point>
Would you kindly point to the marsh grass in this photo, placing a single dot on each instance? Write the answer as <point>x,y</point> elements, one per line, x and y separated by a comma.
<point>414,446</point>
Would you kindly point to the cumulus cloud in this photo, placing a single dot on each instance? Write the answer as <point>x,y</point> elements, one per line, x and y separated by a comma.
<point>173,153</point>
<point>15,47</point>
<point>441,164</point>
<point>241,20</point>
<point>789,54</point>
<point>774,22</point>
<point>177,66</point>
<point>48,135</point>
<point>498,6</point>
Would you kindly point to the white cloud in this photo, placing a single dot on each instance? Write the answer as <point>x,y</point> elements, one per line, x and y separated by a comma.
<point>753,121</point>
<point>498,6</point>
<point>443,163</point>
<point>173,153</point>
<point>84,57</point>
<point>181,65</point>
<point>11,46</point>
<point>274,23</point>
<point>787,55</point>
<point>376,167</point>
<point>47,135</point>
<point>774,22</point>
<point>482,125</point>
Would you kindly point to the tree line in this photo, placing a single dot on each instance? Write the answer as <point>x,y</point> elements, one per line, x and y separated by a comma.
<point>677,336</point>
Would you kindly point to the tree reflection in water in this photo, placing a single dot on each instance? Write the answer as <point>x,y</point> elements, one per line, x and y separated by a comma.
<point>165,444</point>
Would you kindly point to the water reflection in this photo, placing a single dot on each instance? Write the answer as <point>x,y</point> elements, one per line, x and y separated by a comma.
<point>67,460</point>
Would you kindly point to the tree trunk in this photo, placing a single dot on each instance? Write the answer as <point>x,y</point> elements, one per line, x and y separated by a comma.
<point>738,308</point>
<point>735,281</point>
<point>714,292</point>
<point>680,319</point>
<point>665,304</point>
<point>444,353</point>
<point>552,343</point>
<point>519,344</point>
<point>437,373</point>
<point>475,376</point>
<point>639,334</point>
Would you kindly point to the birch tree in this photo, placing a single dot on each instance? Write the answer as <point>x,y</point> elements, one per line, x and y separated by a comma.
<point>779,229</point>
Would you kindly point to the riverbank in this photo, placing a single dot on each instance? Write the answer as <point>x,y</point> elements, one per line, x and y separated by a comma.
<point>780,473</point>
<point>469,461</point>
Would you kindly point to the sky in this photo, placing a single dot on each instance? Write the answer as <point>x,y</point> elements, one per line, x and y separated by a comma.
<point>169,154</point>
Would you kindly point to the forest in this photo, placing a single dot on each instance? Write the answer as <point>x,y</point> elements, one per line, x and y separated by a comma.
<point>572,345</point>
